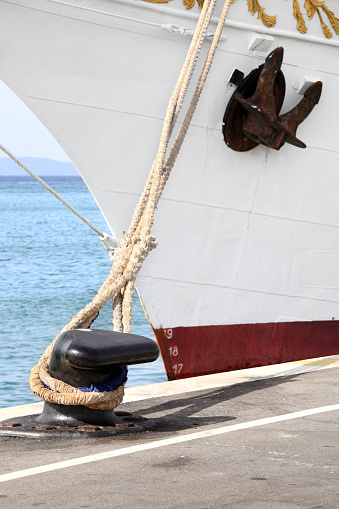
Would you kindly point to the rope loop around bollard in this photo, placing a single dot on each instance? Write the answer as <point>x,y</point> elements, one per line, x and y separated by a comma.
<point>135,245</point>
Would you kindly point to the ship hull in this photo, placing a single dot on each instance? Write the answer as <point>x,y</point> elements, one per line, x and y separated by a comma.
<point>246,271</point>
<point>196,351</point>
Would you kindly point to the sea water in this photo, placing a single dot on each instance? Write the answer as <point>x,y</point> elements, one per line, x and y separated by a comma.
<point>51,266</point>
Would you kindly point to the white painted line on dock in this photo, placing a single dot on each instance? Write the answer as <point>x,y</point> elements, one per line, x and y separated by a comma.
<point>162,443</point>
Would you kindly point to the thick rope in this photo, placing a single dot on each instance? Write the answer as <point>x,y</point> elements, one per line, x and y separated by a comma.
<point>135,245</point>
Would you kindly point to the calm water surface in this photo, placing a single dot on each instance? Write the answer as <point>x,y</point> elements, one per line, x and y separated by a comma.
<point>51,266</point>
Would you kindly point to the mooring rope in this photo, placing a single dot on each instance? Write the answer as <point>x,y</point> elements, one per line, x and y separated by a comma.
<point>108,240</point>
<point>135,245</point>
<point>51,190</point>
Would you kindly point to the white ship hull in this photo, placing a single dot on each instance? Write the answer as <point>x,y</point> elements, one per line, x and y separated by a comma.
<point>243,238</point>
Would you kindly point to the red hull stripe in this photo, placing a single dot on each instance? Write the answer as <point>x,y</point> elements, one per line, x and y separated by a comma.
<point>195,351</point>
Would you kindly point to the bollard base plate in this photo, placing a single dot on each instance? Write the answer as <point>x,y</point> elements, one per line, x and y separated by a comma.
<point>30,427</point>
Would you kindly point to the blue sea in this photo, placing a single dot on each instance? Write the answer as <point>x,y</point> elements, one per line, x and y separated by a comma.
<point>51,266</point>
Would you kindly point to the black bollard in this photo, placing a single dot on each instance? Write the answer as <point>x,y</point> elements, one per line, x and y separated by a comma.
<point>89,359</point>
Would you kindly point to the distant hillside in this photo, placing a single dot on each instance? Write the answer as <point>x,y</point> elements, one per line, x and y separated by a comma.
<point>38,165</point>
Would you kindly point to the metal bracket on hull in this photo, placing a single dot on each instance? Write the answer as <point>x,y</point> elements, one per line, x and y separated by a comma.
<point>188,31</point>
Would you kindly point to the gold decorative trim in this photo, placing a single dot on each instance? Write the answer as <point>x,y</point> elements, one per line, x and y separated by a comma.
<point>301,25</point>
<point>254,6</point>
<point>311,6</point>
<point>189,3</point>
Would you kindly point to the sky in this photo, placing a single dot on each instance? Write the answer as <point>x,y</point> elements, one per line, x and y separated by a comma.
<point>22,133</point>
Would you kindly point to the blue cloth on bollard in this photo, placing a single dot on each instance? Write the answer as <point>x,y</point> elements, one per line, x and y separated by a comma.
<point>110,385</point>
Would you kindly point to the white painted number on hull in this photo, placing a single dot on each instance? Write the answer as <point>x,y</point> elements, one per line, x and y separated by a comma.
<point>173,351</point>
<point>177,368</point>
<point>168,333</point>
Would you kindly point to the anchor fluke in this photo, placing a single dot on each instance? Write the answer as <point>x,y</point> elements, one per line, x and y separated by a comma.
<point>299,113</point>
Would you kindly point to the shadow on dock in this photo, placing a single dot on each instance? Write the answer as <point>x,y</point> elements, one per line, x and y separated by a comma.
<point>195,409</point>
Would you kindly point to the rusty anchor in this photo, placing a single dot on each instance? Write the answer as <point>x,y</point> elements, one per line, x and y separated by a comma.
<point>252,116</point>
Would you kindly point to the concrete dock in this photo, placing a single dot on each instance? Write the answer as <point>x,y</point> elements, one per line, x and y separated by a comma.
<point>263,438</point>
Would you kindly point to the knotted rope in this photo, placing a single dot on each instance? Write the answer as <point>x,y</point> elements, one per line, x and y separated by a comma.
<point>135,245</point>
